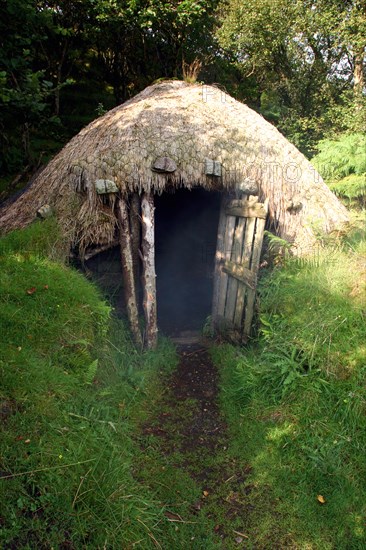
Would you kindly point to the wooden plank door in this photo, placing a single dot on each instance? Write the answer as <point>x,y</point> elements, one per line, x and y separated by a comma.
<point>238,250</point>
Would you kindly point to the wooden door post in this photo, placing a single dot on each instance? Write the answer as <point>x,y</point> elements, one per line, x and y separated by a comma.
<point>149,276</point>
<point>127,269</point>
<point>135,226</point>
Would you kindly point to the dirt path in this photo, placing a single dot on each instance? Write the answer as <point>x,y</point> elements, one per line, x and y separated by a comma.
<point>195,384</point>
<point>190,425</point>
<point>190,422</point>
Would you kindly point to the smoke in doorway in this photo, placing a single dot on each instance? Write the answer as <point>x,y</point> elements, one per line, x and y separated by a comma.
<point>186,229</point>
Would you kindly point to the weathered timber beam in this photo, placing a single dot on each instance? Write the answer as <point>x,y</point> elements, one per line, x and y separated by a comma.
<point>94,251</point>
<point>240,273</point>
<point>256,254</point>
<point>219,277</point>
<point>127,269</point>
<point>244,209</point>
<point>149,276</point>
<point>135,225</point>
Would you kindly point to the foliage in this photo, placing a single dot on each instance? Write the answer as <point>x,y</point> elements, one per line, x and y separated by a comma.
<point>351,187</point>
<point>60,61</point>
<point>346,114</point>
<point>296,400</point>
<point>315,303</point>
<point>304,57</point>
<point>338,158</point>
<point>342,162</point>
<point>23,87</point>
<point>71,384</point>
<point>298,64</point>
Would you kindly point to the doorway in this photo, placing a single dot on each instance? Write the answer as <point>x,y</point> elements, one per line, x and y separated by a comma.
<point>186,224</point>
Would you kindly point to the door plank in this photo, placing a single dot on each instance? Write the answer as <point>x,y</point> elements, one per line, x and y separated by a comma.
<point>228,244</point>
<point>257,249</point>
<point>241,273</point>
<point>245,263</point>
<point>236,252</point>
<point>219,276</point>
<point>245,209</point>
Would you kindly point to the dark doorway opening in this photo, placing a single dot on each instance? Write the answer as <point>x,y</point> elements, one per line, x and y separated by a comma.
<point>186,230</point>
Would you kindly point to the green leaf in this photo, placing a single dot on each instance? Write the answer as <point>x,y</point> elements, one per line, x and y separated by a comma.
<point>91,372</point>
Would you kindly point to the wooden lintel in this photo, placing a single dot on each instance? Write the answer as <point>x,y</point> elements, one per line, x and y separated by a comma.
<point>240,273</point>
<point>244,209</point>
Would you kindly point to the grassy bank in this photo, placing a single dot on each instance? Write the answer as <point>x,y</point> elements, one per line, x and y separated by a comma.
<point>93,444</point>
<point>72,387</point>
<point>296,402</point>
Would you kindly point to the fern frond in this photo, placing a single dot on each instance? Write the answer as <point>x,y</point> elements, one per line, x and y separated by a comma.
<point>352,187</point>
<point>341,157</point>
<point>91,372</point>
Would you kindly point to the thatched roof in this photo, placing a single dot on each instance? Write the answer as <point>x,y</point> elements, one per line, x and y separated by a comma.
<point>189,124</point>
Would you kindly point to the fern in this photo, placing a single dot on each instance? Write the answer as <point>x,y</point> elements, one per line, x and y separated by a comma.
<point>351,187</point>
<point>91,372</point>
<point>276,243</point>
<point>341,157</point>
<point>278,248</point>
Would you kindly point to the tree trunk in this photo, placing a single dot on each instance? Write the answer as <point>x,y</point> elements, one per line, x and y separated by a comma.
<point>127,270</point>
<point>359,80</point>
<point>149,282</point>
<point>59,76</point>
<point>26,140</point>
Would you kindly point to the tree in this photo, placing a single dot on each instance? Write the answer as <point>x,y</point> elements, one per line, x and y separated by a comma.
<point>305,56</point>
<point>24,89</point>
<point>138,41</point>
<point>65,42</point>
<point>181,31</point>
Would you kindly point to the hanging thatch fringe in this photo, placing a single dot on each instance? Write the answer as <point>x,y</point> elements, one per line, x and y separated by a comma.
<point>188,124</point>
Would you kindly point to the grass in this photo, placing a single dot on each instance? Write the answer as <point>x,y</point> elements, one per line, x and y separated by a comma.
<point>78,467</point>
<point>72,387</point>
<point>296,401</point>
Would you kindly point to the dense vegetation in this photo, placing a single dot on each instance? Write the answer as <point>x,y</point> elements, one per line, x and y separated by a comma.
<point>342,162</point>
<point>301,64</point>
<point>78,469</point>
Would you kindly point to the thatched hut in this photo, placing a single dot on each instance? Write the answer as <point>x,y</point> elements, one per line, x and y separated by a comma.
<point>101,187</point>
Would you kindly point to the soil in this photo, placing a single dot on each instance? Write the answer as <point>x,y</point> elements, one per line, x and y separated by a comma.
<point>191,407</point>
<point>190,423</point>
<point>196,380</point>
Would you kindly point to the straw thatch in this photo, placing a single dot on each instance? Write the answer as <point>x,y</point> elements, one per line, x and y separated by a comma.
<point>188,124</point>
